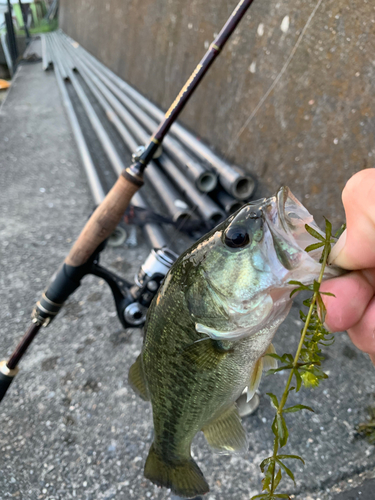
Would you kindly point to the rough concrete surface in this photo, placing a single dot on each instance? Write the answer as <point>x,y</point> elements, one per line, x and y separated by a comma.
<point>297,78</point>
<point>70,425</point>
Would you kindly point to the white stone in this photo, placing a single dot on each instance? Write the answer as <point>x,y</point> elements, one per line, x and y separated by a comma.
<point>285,24</point>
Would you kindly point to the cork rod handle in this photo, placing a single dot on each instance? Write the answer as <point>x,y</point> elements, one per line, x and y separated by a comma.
<point>102,222</point>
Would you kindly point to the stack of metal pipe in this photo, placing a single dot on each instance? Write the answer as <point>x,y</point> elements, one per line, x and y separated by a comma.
<point>188,177</point>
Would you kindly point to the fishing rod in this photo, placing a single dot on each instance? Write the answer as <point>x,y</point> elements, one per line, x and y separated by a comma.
<point>84,254</point>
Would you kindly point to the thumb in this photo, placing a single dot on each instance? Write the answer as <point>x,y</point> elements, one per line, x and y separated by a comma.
<point>355,249</point>
<point>338,255</point>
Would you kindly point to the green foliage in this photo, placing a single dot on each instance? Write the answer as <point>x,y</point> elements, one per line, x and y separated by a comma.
<point>304,369</point>
<point>367,429</point>
<point>43,26</point>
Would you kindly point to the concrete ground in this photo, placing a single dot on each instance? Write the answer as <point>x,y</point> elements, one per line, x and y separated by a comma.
<point>70,425</point>
<point>3,94</point>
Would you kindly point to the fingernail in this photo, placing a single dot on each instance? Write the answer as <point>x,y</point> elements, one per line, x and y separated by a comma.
<point>322,319</point>
<point>327,327</point>
<point>337,249</point>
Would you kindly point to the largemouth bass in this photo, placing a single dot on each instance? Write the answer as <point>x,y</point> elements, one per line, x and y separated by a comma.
<point>209,327</point>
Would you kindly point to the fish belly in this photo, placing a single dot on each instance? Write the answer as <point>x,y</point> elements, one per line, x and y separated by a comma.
<point>186,398</point>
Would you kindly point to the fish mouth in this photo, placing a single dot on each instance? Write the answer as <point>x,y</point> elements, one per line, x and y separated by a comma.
<point>275,209</point>
<point>293,215</point>
<point>285,197</point>
<point>281,197</point>
<point>287,227</point>
<point>286,219</point>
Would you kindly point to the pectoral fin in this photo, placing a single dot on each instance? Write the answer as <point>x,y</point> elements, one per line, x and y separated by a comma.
<point>206,354</point>
<point>137,379</point>
<point>226,434</point>
<point>264,363</point>
<point>255,378</point>
<point>269,363</point>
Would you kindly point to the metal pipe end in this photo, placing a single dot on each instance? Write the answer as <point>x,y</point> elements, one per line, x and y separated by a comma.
<point>217,217</point>
<point>117,238</point>
<point>206,182</point>
<point>233,207</point>
<point>230,204</point>
<point>243,187</point>
<point>181,217</point>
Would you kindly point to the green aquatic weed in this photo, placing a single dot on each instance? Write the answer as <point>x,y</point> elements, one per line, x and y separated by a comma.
<point>304,369</point>
<point>367,429</point>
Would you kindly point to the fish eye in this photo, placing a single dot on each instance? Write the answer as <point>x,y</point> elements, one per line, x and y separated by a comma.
<point>236,237</point>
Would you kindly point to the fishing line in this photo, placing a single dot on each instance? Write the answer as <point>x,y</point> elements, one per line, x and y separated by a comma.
<point>275,82</point>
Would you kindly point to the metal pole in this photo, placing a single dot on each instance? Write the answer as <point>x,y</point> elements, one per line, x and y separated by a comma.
<point>232,178</point>
<point>56,57</point>
<point>118,236</point>
<point>207,208</point>
<point>103,137</point>
<point>230,204</point>
<point>177,208</point>
<point>46,52</point>
<point>11,36</point>
<point>24,17</point>
<point>204,179</point>
<point>96,187</point>
<point>154,233</point>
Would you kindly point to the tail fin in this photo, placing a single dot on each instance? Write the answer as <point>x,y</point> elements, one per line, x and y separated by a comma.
<point>183,477</point>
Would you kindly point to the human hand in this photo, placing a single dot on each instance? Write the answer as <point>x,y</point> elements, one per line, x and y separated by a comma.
<point>353,307</point>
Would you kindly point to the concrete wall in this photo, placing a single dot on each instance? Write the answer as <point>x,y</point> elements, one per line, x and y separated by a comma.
<point>311,132</point>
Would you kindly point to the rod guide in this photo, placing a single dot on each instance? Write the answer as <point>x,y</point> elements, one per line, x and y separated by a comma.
<point>6,371</point>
